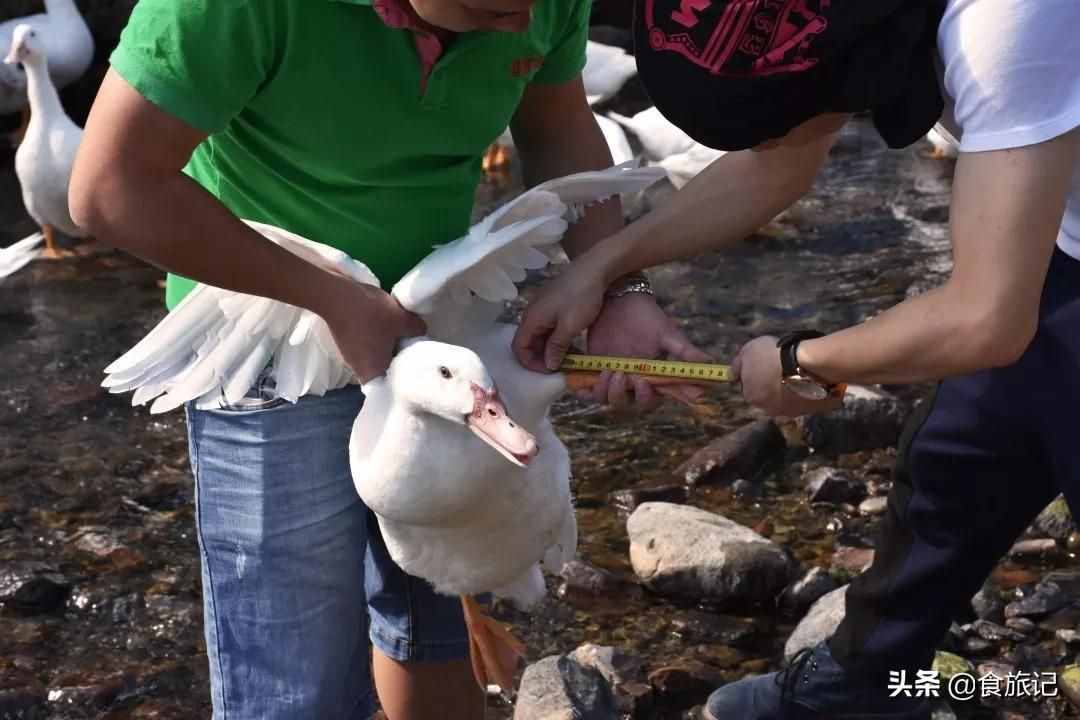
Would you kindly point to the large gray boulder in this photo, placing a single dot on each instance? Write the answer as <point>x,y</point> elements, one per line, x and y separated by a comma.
<point>820,623</point>
<point>560,688</point>
<point>685,551</point>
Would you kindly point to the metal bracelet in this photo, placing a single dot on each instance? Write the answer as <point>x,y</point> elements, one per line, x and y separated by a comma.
<point>634,283</point>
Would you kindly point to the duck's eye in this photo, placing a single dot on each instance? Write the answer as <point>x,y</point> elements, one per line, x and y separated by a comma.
<point>445,372</point>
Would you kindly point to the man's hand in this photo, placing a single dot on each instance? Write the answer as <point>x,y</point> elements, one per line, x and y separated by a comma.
<point>468,15</point>
<point>757,367</point>
<point>367,323</point>
<point>635,326</point>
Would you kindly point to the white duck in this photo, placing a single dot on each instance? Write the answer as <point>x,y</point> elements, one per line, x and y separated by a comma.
<point>66,40</point>
<point>659,137</point>
<point>607,68</point>
<point>683,167</point>
<point>453,510</point>
<point>944,144</point>
<point>44,159</point>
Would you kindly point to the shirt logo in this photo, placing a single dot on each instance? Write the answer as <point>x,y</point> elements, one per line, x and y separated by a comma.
<point>523,67</point>
<point>738,38</point>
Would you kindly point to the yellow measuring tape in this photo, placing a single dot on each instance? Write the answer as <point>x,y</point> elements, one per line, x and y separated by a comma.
<point>696,372</point>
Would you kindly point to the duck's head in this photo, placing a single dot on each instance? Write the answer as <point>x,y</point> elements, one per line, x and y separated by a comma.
<point>451,382</point>
<point>25,46</point>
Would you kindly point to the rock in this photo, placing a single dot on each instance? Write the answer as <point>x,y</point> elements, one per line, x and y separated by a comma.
<point>559,688</point>
<point>948,665</point>
<point>807,590</point>
<point>942,711</point>
<point>697,627</point>
<point>995,667</point>
<point>1069,637</point>
<point>742,453</point>
<point>681,550</point>
<point>869,419</point>
<point>1067,618</point>
<point>1069,682</point>
<point>1056,521</point>
<point>873,506</point>
<point>102,543</point>
<point>684,684</point>
<point>829,485</point>
<point>1033,548</point>
<point>745,488</point>
<point>979,647</point>
<point>994,632</point>
<point>629,499</point>
<point>1048,597</point>
<point>819,623</point>
<point>988,604</point>
<point>1020,625</point>
<point>853,559</point>
<point>22,697</point>
<point>581,578</point>
<point>32,587</point>
<point>624,674</point>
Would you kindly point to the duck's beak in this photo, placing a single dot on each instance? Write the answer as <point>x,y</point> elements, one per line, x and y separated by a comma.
<point>492,425</point>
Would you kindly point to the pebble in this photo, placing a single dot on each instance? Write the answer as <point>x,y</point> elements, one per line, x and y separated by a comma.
<point>994,632</point>
<point>807,590</point>
<point>869,419</point>
<point>988,604</point>
<point>697,627</point>
<point>949,665</point>
<point>1069,637</point>
<point>1047,598</point>
<point>32,587</point>
<point>1020,625</point>
<point>1030,548</point>
<point>581,578</point>
<point>624,674</point>
<point>1055,521</point>
<point>684,684</point>
<point>853,559</point>
<point>1069,682</point>
<point>629,499</point>
<point>830,485</point>
<point>874,506</point>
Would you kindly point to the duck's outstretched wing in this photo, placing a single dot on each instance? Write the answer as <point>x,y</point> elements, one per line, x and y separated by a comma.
<point>607,68</point>
<point>215,344</point>
<point>14,257</point>
<point>521,235</point>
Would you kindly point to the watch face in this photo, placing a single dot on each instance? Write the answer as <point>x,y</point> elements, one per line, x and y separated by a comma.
<point>806,388</point>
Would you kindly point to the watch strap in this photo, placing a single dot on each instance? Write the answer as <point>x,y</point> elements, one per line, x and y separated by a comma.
<point>789,346</point>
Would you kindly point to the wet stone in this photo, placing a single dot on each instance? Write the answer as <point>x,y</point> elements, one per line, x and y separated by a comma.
<point>624,674</point>
<point>1048,597</point>
<point>628,500</point>
<point>942,711</point>
<point>579,578</point>
<point>684,551</point>
<point>819,623</point>
<point>684,684</point>
<point>829,485</point>
<point>1056,521</point>
<point>559,688</point>
<point>869,419</point>
<point>87,692</point>
<point>853,559</point>
<point>1021,625</point>
<point>1069,637</point>
<point>745,488</point>
<point>978,647</point>
<point>103,543</point>
<point>988,605</point>
<point>873,506</point>
<point>1033,548</point>
<point>700,627</point>
<point>1069,683</point>
<point>22,697</point>
<point>131,469</point>
<point>807,590</point>
<point>1066,618</point>
<point>742,453</point>
<point>949,665</point>
<point>994,632</point>
<point>32,587</point>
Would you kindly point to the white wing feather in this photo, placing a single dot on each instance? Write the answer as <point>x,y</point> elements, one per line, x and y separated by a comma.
<point>215,344</point>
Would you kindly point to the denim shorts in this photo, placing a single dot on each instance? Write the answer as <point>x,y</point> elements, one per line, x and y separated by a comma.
<point>296,577</point>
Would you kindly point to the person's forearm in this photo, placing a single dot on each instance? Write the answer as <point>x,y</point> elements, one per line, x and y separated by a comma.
<point>930,337</point>
<point>731,199</point>
<point>577,147</point>
<point>173,223</point>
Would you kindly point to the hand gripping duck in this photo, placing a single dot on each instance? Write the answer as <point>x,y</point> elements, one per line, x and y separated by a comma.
<point>468,497</point>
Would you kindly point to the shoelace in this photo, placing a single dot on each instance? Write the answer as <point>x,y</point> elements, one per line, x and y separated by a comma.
<point>788,678</point>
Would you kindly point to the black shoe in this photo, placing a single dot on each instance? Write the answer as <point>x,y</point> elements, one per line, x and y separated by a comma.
<point>812,687</point>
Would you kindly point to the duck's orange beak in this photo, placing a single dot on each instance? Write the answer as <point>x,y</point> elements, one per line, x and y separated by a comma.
<point>491,424</point>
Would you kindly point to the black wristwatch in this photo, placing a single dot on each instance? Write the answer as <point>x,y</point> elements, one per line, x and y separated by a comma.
<point>794,377</point>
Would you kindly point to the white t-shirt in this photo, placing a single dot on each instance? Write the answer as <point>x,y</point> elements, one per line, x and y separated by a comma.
<point>1012,78</point>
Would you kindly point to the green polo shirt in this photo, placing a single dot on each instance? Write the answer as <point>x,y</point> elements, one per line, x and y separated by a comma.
<point>317,118</point>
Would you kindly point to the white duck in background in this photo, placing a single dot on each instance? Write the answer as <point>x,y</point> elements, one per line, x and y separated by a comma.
<point>944,144</point>
<point>44,159</point>
<point>607,68</point>
<point>467,498</point>
<point>65,38</point>
<point>683,167</point>
<point>659,137</point>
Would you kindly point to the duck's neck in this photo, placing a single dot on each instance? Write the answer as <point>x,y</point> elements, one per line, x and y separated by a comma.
<point>44,100</point>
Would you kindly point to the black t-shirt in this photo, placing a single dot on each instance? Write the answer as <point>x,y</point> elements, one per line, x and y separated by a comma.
<point>735,73</point>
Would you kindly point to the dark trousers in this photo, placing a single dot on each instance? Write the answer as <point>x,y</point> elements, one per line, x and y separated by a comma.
<point>977,462</point>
